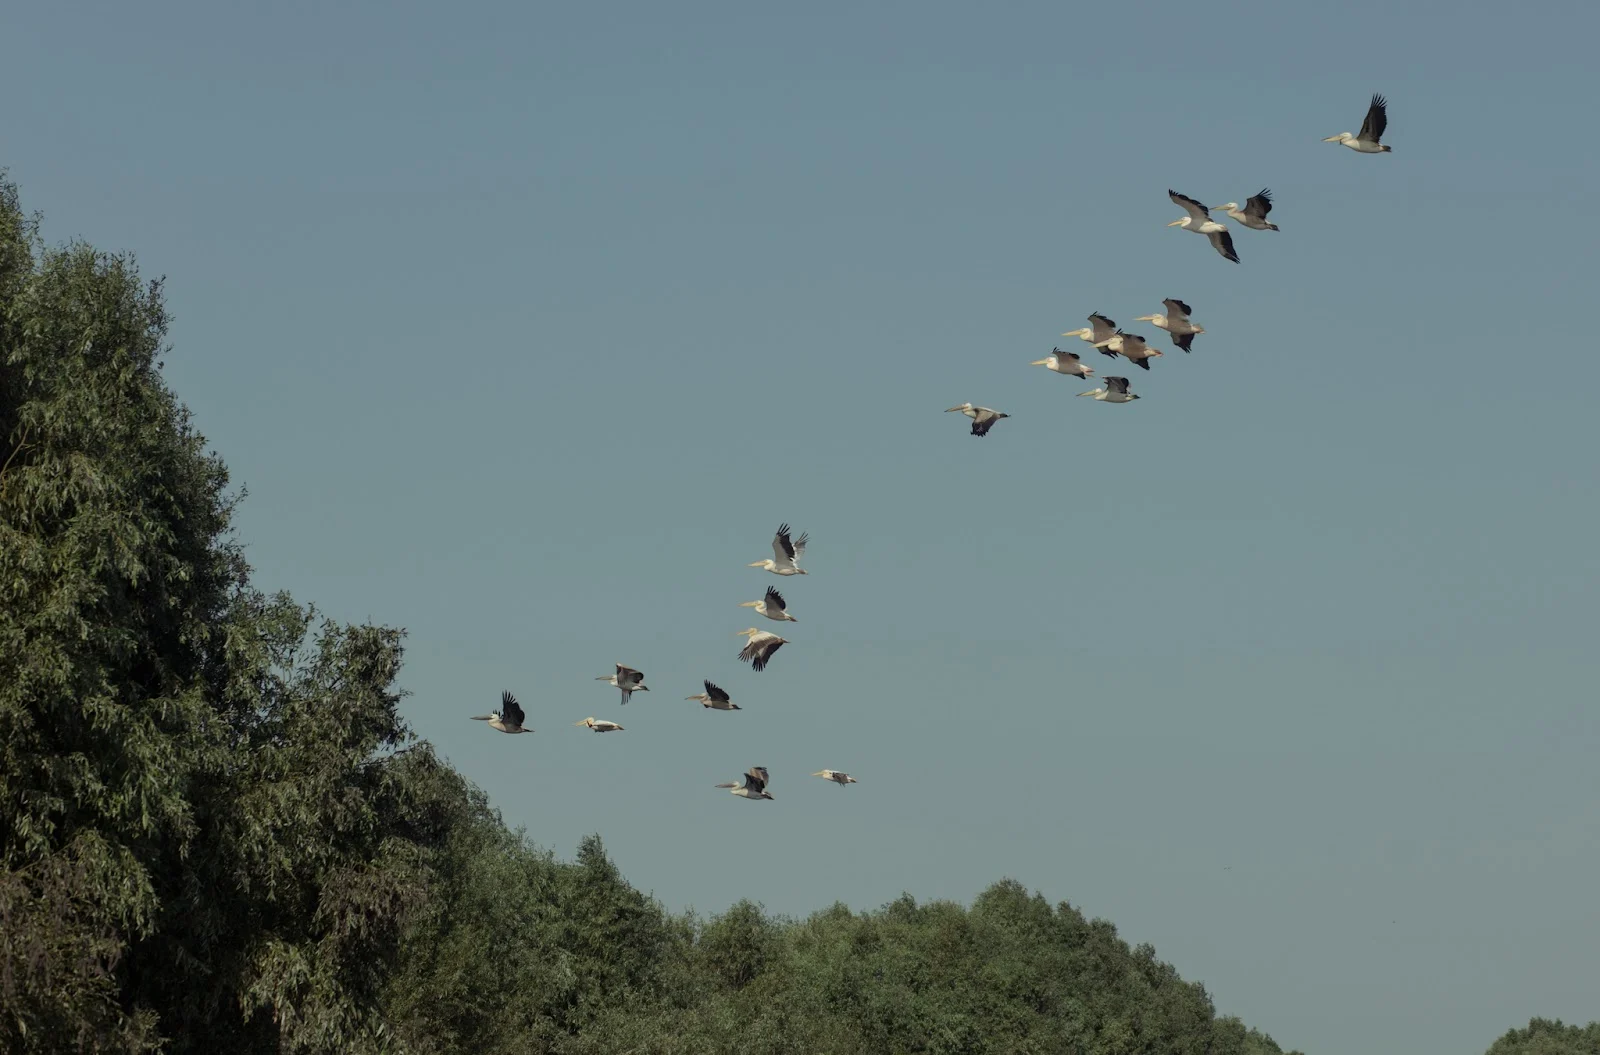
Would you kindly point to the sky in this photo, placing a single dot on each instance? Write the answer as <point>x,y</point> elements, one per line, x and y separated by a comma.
<point>525,325</point>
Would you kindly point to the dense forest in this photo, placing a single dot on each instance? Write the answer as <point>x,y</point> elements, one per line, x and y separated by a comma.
<point>217,833</point>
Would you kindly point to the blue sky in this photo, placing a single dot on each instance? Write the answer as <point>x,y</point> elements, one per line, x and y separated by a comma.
<point>525,325</point>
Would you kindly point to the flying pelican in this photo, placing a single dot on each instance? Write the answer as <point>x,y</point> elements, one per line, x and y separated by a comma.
<point>1176,322</point>
<point>628,680</point>
<point>1255,211</point>
<point>600,725</point>
<point>1064,363</point>
<point>771,606</point>
<point>508,719</point>
<point>1133,348</point>
<point>1200,222</point>
<point>715,698</point>
<point>1115,391</point>
<point>983,419</point>
<point>1098,333</point>
<point>837,777</point>
<point>1367,140</point>
<point>759,649</point>
<point>755,784</point>
<point>785,554</point>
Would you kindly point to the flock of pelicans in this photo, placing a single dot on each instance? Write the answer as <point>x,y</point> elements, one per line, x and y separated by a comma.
<point>1101,333</point>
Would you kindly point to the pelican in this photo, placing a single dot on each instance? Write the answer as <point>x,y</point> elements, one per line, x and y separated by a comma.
<point>1200,222</point>
<point>627,679</point>
<point>715,698</point>
<point>1132,347</point>
<point>983,419</point>
<point>759,649</point>
<point>508,719</point>
<point>755,784</point>
<point>837,777</point>
<point>1367,140</point>
<point>1115,391</point>
<point>785,554</point>
<point>771,606</point>
<point>1255,211</point>
<point>600,725</point>
<point>1176,322</point>
<point>1098,333</point>
<point>1064,363</point>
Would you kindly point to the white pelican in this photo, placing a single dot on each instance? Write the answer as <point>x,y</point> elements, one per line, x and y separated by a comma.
<point>1366,141</point>
<point>1255,211</point>
<point>600,725</point>
<point>1098,333</point>
<point>715,698</point>
<point>1132,347</point>
<point>837,777</point>
<point>771,606</point>
<point>1064,363</point>
<point>759,649</point>
<point>508,719</point>
<point>1200,222</point>
<point>1176,322</point>
<point>1115,391</point>
<point>785,554</point>
<point>983,419</point>
<point>627,679</point>
<point>755,784</point>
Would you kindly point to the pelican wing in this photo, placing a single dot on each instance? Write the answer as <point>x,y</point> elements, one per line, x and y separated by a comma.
<point>1133,345</point>
<point>715,693</point>
<point>627,676</point>
<point>782,549</point>
<point>1101,328</point>
<point>1377,120</point>
<point>755,778</point>
<point>1065,357</point>
<point>1183,340</point>
<point>1259,205</point>
<point>984,421</point>
<point>1177,309</point>
<point>1222,242</point>
<point>1197,212</point>
<point>759,651</point>
<point>1117,384</point>
<point>774,600</point>
<point>510,709</point>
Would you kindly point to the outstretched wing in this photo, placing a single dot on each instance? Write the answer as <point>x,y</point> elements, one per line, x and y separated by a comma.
<point>1377,120</point>
<point>755,778</point>
<point>1198,212</point>
<point>715,693</point>
<point>782,548</point>
<point>1259,205</point>
<point>775,599</point>
<point>1222,241</point>
<point>1183,340</point>
<point>1117,384</point>
<point>1177,309</point>
<point>510,709</point>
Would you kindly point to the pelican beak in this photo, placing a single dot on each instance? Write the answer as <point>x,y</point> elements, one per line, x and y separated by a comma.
<point>1175,223</point>
<point>754,564</point>
<point>1076,333</point>
<point>949,409</point>
<point>1145,318</point>
<point>1331,139</point>
<point>482,717</point>
<point>748,604</point>
<point>1040,362</point>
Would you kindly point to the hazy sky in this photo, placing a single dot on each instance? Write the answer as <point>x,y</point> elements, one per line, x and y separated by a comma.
<point>525,325</point>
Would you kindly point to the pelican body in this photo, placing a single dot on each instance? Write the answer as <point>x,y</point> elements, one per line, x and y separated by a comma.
<point>1176,322</point>
<point>627,679</point>
<point>1115,391</point>
<point>1066,363</point>
<point>715,698</point>
<point>772,606</point>
<point>1132,347</point>
<point>754,786</point>
<point>837,777</point>
<point>1366,141</point>
<point>508,719</point>
<point>759,649</point>
<point>1099,333</point>
<point>1200,222</point>
<point>983,419</point>
<point>600,725</point>
<point>786,554</point>
<point>1254,214</point>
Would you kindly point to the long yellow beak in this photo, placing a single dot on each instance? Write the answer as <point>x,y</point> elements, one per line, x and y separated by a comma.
<point>748,604</point>
<point>1175,223</point>
<point>1040,362</point>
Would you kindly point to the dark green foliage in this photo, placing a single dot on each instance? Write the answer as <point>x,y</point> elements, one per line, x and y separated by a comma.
<point>1546,1037</point>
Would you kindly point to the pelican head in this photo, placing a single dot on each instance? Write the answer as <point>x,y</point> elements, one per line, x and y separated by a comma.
<point>759,564</point>
<point>747,633</point>
<point>963,407</point>
<point>748,604</point>
<point>1226,208</point>
<point>1147,318</point>
<point>1082,331</point>
<point>1181,222</point>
